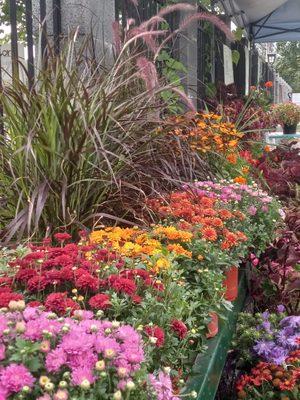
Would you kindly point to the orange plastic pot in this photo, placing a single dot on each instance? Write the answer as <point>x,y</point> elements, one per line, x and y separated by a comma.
<point>213,326</point>
<point>231,283</point>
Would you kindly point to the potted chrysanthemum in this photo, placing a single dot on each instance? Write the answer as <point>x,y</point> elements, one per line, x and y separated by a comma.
<point>288,116</point>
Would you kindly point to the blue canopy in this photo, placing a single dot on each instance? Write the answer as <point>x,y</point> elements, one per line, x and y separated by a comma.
<point>267,20</point>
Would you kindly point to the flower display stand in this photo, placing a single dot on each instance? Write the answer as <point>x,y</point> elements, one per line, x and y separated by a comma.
<point>208,367</point>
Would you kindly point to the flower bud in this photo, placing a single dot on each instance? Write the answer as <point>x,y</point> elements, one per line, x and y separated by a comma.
<point>20,327</point>
<point>167,370</point>
<point>44,380</point>
<point>117,395</point>
<point>130,385</point>
<point>85,384</point>
<point>122,372</point>
<point>26,389</point>
<point>94,328</point>
<point>152,339</point>
<point>115,324</point>
<point>63,384</point>
<point>49,387</point>
<point>100,365</point>
<point>52,315</point>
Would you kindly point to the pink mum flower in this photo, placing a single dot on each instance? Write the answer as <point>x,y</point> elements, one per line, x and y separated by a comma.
<point>14,377</point>
<point>81,374</point>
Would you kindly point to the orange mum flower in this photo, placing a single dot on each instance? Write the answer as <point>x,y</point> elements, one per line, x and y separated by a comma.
<point>225,214</point>
<point>269,84</point>
<point>240,215</point>
<point>232,158</point>
<point>207,202</point>
<point>209,212</point>
<point>241,180</point>
<point>179,250</point>
<point>209,234</point>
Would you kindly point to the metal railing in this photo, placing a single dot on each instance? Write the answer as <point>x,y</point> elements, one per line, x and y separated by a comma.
<point>33,24</point>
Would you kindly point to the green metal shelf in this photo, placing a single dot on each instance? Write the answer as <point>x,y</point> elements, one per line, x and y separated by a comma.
<point>208,367</point>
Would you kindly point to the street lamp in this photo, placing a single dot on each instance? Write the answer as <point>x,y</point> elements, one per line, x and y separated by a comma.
<point>271,58</point>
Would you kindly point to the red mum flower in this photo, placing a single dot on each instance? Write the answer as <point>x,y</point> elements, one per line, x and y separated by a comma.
<point>159,286</point>
<point>100,301</point>
<point>47,241</point>
<point>6,281</point>
<point>67,274</point>
<point>87,282</point>
<point>34,304</point>
<point>59,302</point>
<point>179,328</point>
<point>123,285</point>
<point>37,283</point>
<point>136,299</point>
<point>61,237</point>
<point>6,297</point>
<point>156,332</point>
<point>24,274</point>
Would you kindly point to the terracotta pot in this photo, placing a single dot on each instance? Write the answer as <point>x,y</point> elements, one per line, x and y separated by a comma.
<point>289,129</point>
<point>231,283</point>
<point>213,326</point>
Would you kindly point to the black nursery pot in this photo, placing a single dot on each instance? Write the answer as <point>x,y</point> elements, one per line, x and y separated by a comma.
<point>289,129</point>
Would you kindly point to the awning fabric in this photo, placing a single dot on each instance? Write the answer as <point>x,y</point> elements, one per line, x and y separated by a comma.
<point>267,20</point>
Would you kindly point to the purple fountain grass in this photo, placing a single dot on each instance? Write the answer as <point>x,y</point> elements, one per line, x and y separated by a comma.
<point>117,36</point>
<point>176,7</point>
<point>148,73</point>
<point>210,18</point>
<point>193,18</point>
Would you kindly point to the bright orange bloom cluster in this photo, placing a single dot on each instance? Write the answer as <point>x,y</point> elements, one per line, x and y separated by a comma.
<point>203,211</point>
<point>172,233</point>
<point>241,180</point>
<point>268,84</point>
<point>207,132</point>
<point>279,378</point>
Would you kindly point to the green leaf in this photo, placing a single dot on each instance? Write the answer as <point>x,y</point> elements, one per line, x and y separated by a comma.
<point>235,57</point>
<point>238,33</point>
<point>34,364</point>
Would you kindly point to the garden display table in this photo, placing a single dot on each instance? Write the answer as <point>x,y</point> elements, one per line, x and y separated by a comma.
<point>208,367</point>
<point>276,138</point>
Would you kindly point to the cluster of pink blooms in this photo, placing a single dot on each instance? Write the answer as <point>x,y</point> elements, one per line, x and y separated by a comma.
<point>82,345</point>
<point>228,192</point>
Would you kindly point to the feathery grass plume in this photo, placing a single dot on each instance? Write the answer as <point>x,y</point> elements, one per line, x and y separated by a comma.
<point>185,98</point>
<point>148,73</point>
<point>176,7</point>
<point>197,17</point>
<point>117,36</point>
<point>213,19</point>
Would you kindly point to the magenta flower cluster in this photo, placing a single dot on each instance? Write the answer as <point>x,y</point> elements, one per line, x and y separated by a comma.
<point>227,192</point>
<point>84,347</point>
